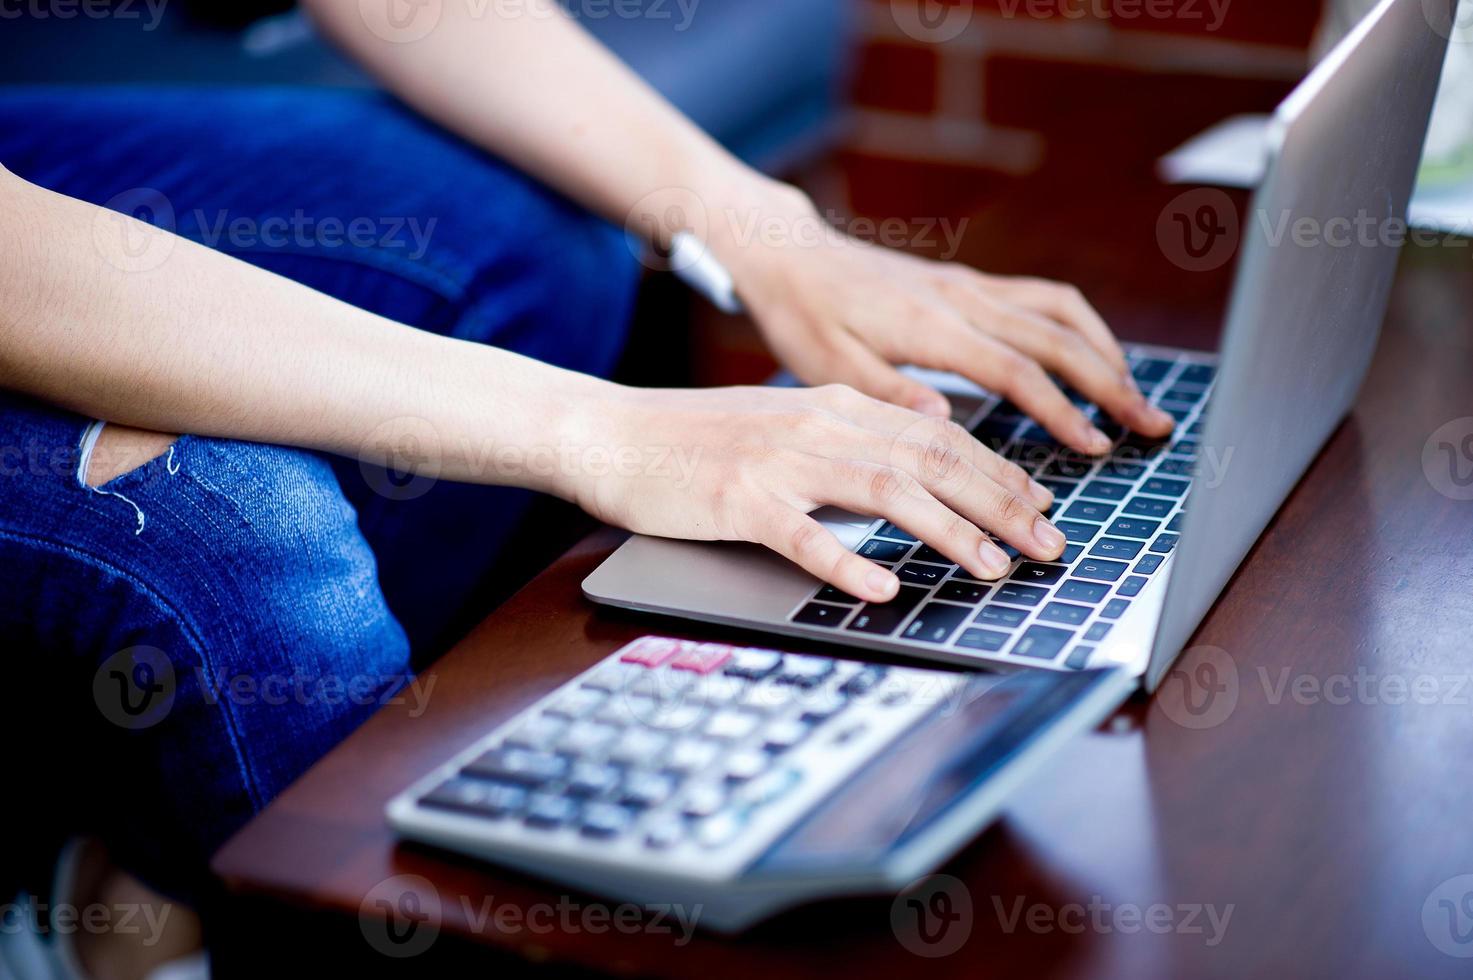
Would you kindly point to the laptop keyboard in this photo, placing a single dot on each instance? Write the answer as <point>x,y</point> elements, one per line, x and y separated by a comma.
<point>1121,515</point>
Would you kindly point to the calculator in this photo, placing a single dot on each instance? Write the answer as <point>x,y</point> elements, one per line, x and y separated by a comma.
<point>748,780</point>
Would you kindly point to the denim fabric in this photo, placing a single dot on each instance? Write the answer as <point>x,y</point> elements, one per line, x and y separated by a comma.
<point>269,597</point>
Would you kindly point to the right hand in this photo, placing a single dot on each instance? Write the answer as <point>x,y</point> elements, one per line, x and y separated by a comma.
<point>758,461</point>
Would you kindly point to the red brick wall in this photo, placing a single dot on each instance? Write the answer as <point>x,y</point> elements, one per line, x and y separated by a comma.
<point>953,98</point>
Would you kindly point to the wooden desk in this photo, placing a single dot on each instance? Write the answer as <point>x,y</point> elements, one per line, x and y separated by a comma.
<point>1326,826</point>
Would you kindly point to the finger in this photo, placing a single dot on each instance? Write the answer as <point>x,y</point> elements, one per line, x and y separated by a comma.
<point>802,540</point>
<point>942,454</point>
<point>856,364</point>
<point>1066,305</point>
<point>1072,358</point>
<point>960,347</point>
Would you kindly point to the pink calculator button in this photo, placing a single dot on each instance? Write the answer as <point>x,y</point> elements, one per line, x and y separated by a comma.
<point>702,658</point>
<point>650,651</point>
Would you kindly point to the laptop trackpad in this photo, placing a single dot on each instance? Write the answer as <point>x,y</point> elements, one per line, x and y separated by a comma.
<point>849,528</point>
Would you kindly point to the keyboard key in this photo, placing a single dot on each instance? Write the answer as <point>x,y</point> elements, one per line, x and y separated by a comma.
<point>546,811</point>
<point>1132,586</point>
<point>821,614</point>
<point>1186,396</point>
<point>1177,410</point>
<point>1042,642</point>
<point>1097,632</point>
<point>476,796</point>
<point>916,574</point>
<point>604,820</point>
<point>1114,609</point>
<point>1151,372</point>
<point>1176,466</point>
<point>1078,658</point>
<point>1020,595</point>
<point>1090,510</point>
<point>1122,469</point>
<point>1197,374</point>
<point>988,640</point>
<point>753,665</point>
<point>1077,591</point>
<point>893,532</point>
<point>1066,613</point>
<point>1033,573</point>
<point>518,766</point>
<point>1069,466</point>
<point>1165,488</point>
<point>1105,490</point>
<point>881,550</point>
<point>1119,548</point>
<point>802,671</point>
<point>1079,533</point>
<point>830,594</point>
<point>936,622</point>
<point>1165,544</point>
<point>1071,552</point>
<point>1061,489</point>
<point>1100,570</point>
<point>1185,447</point>
<point>883,618</point>
<point>1175,525</point>
<point>1133,527</point>
<point>1148,564</point>
<point>1150,507</point>
<point>994,615</point>
<point>968,592</point>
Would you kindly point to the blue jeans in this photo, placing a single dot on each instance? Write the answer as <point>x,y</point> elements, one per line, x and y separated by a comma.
<point>213,622</point>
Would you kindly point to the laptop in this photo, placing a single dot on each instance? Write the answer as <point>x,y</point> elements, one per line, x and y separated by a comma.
<point>1155,530</point>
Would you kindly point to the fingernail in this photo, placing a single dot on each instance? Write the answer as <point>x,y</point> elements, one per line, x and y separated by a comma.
<point>1042,496</point>
<point>1155,416</point>
<point>882,583</point>
<point>1049,538</point>
<point>931,404</point>
<point>993,559</point>
<point>1095,441</point>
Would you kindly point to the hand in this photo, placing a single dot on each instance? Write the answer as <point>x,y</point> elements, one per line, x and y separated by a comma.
<point>835,309</point>
<point>751,464</point>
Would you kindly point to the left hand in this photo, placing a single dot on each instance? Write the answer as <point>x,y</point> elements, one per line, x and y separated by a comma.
<point>836,309</point>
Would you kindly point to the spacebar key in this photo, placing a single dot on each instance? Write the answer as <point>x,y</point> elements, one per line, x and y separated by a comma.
<point>885,617</point>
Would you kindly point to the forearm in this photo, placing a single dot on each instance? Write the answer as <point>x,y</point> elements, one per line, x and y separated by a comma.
<point>526,82</point>
<point>174,337</point>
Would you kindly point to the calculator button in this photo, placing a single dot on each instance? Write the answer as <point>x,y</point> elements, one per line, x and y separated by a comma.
<point>753,665</point>
<point>518,766</point>
<point>823,708</point>
<point>587,738</point>
<point>863,681</point>
<point>783,735</point>
<point>646,789</point>
<point>805,671</point>
<point>742,766</point>
<point>673,717</point>
<point>703,801</point>
<point>476,796</point>
<point>730,726</point>
<point>664,833</point>
<point>769,787</point>
<point>769,697</point>
<point>691,755</point>
<point>650,651</point>
<point>539,733</point>
<point>604,820</point>
<point>702,658</point>
<point>722,829</point>
<point>639,747</point>
<point>590,779</point>
<point>613,677</point>
<point>576,704</point>
<point>546,811</point>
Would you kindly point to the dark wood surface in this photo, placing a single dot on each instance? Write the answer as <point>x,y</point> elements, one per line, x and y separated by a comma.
<point>1325,826</point>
